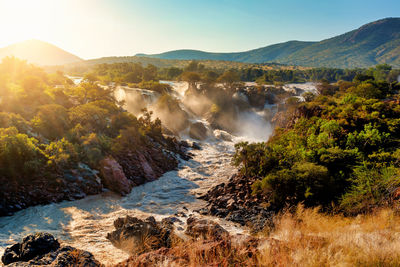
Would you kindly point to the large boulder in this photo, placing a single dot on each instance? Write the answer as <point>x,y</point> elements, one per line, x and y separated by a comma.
<point>198,131</point>
<point>31,246</point>
<point>113,176</point>
<point>206,229</point>
<point>42,249</point>
<point>137,236</point>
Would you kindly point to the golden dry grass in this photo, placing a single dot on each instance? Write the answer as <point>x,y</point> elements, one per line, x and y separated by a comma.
<point>310,238</point>
<point>306,237</point>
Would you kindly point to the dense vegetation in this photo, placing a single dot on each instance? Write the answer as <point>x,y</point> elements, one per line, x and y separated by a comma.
<point>195,71</point>
<point>48,125</point>
<point>340,149</point>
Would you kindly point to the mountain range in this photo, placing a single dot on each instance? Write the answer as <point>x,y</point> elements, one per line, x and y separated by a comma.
<point>374,43</point>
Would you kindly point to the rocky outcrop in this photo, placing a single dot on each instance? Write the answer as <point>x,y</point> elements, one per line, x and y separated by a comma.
<point>42,249</point>
<point>198,131</point>
<point>236,202</point>
<point>147,164</point>
<point>223,135</point>
<point>205,229</point>
<point>113,176</point>
<point>72,184</point>
<point>137,236</point>
<point>119,173</point>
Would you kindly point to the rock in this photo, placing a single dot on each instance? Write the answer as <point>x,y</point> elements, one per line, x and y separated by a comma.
<point>236,202</point>
<point>137,236</point>
<point>223,135</point>
<point>42,249</point>
<point>149,172</point>
<point>198,131</point>
<point>31,246</point>
<point>144,161</point>
<point>205,229</point>
<point>196,146</point>
<point>114,177</point>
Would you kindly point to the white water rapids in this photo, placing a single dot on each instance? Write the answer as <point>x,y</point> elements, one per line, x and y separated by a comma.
<point>85,223</point>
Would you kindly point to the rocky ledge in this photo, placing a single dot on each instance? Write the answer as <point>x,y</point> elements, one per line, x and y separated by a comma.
<point>118,172</point>
<point>236,202</point>
<point>42,249</point>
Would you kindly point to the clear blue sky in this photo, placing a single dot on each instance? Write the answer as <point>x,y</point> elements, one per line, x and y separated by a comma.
<point>95,28</point>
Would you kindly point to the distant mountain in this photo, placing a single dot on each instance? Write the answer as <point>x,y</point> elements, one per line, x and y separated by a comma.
<point>39,52</point>
<point>260,55</point>
<point>374,43</point>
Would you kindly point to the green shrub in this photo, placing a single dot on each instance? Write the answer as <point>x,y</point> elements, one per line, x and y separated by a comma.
<point>19,155</point>
<point>51,121</point>
<point>305,182</point>
<point>371,187</point>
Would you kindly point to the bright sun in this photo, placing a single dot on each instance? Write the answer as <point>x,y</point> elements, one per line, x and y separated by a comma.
<point>28,19</point>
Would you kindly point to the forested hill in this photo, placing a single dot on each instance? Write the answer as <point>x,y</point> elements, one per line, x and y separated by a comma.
<point>374,43</point>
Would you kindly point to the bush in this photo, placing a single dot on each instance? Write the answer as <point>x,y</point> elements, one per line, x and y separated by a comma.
<point>19,154</point>
<point>61,154</point>
<point>305,181</point>
<point>370,188</point>
<point>51,121</point>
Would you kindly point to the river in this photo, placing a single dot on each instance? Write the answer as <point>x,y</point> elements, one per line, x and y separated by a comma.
<point>85,223</point>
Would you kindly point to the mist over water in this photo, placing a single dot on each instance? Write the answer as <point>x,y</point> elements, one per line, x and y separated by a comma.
<point>253,126</point>
<point>85,223</point>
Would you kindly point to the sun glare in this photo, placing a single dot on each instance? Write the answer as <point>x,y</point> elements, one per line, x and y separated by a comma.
<point>27,19</point>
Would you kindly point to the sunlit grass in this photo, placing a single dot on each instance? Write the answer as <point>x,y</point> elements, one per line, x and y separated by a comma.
<point>303,238</point>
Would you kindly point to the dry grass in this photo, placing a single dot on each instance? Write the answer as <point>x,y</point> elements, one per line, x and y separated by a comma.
<point>309,238</point>
<point>304,238</point>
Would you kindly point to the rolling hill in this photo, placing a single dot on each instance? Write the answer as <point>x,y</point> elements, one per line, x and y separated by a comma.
<point>39,52</point>
<point>374,43</point>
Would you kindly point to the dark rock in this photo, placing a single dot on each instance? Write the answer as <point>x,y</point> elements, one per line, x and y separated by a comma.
<point>42,249</point>
<point>196,146</point>
<point>236,202</point>
<point>31,246</point>
<point>198,131</point>
<point>131,233</point>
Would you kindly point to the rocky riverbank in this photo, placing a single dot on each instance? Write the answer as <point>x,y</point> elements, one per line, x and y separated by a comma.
<point>118,173</point>
<point>154,243</point>
<point>236,202</point>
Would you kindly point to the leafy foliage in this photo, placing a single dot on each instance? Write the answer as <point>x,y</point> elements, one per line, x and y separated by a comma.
<point>341,149</point>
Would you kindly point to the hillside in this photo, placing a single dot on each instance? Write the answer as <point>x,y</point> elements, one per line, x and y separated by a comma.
<point>260,55</point>
<point>39,52</point>
<point>374,43</point>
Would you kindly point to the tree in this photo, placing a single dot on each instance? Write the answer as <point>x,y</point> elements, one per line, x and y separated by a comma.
<point>51,121</point>
<point>149,73</point>
<point>192,78</point>
<point>229,78</point>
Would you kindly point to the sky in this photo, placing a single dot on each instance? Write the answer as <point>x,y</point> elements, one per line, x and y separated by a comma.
<point>98,28</point>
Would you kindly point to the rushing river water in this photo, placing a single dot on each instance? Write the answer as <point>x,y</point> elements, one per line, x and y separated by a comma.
<point>85,223</point>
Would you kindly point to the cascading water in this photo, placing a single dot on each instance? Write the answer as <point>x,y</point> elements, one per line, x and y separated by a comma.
<point>85,223</point>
